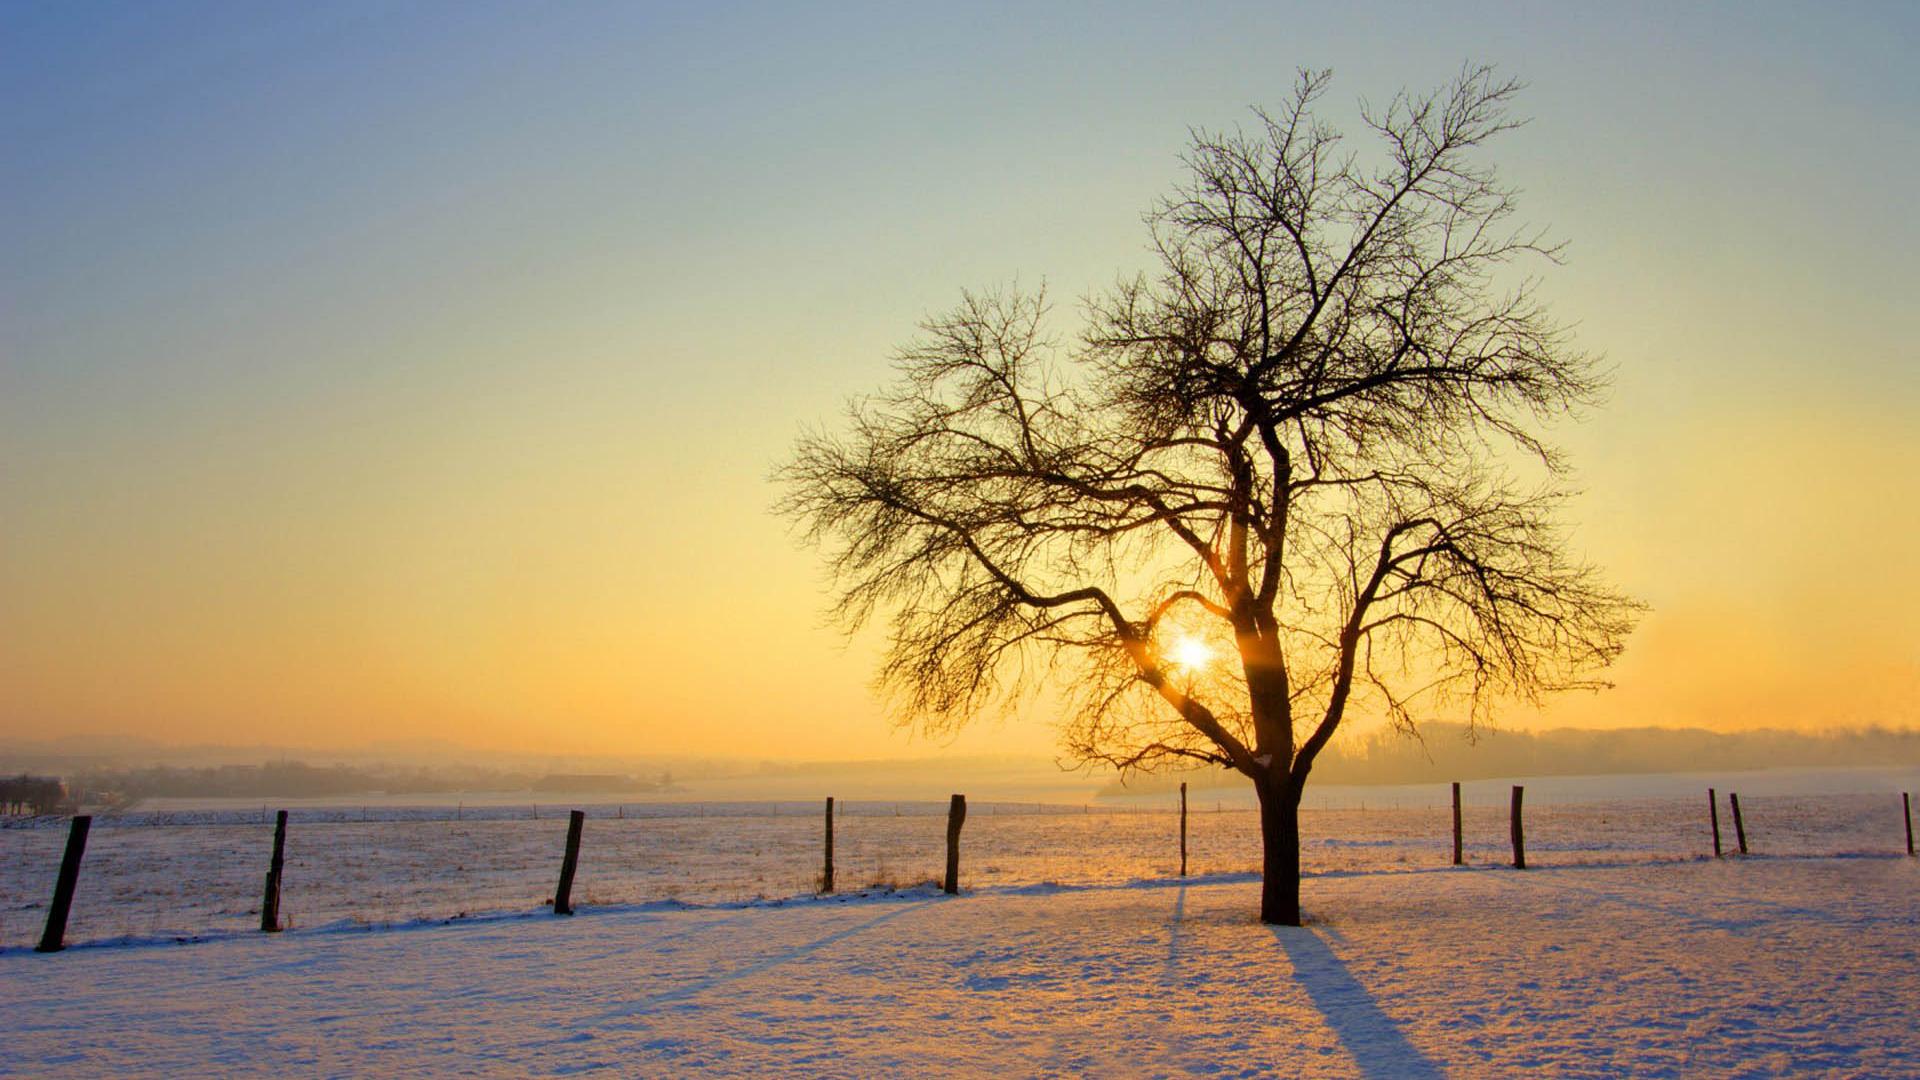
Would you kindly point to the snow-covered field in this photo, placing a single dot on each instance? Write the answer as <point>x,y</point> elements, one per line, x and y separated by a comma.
<point>419,945</point>
<point>197,873</point>
<point>1771,965</point>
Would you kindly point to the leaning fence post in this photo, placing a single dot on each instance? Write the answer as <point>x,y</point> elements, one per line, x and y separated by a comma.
<point>1739,825</point>
<point>1456,823</point>
<point>54,939</point>
<point>1713,815</point>
<point>826,878</point>
<point>1906,809</point>
<point>1519,832</point>
<point>1183,829</point>
<point>956,816</point>
<point>270,902</point>
<point>563,896</point>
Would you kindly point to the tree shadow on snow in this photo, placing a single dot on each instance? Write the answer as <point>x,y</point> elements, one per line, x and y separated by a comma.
<point>1374,1040</point>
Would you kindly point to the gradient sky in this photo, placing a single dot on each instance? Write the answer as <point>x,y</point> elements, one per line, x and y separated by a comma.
<point>409,371</point>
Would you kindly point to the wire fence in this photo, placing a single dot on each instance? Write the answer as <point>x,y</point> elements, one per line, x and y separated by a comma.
<point>182,874</point>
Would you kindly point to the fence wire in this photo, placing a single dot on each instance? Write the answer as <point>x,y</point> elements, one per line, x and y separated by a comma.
<point>183,874</point>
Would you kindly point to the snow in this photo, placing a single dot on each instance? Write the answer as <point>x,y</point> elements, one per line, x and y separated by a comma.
<point>188,873</point>
<point>1761,966</point>
<point>419,946</point>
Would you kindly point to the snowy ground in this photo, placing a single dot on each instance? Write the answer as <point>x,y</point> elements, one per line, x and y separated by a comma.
<point>187,873</point>
<point>1762,966</point>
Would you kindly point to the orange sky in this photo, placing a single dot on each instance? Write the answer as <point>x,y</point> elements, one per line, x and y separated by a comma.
<point>366,377</point>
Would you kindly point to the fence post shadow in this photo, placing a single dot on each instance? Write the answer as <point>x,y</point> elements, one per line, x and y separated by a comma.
<point>700,985</point>
<point>1379,1050</point>
<point>1170,969</point>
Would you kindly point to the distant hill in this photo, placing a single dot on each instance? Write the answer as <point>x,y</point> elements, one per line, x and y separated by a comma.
<point>299,780</point>
<point>1446,752</point>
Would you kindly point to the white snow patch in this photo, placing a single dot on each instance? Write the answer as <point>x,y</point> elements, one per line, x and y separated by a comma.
<point>1761,966</point>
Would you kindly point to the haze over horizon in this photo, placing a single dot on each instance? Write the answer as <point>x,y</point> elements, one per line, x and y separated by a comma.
<point>374,374</point>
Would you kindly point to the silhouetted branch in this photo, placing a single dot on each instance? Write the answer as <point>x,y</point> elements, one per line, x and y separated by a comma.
<point>1293,432</point>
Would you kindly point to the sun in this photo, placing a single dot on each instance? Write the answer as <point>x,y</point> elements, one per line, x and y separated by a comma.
<point>1190,653</point>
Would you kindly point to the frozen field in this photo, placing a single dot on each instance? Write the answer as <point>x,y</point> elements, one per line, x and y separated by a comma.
<point>197,873</point>
<point>1760,967</point>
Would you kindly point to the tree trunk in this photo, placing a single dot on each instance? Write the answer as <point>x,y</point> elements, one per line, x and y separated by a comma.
<point>1280,844</point>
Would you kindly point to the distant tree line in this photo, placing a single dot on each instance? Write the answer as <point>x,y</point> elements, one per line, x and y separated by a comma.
<point>24,794</point>
<point>598,784</point>
<point>1448,752</point>
<point>299,780</point>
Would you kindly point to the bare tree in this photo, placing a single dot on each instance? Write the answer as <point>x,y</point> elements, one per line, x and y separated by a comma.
<point>1310,443</point>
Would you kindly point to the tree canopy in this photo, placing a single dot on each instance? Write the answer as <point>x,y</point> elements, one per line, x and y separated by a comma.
<point>1312,440</point>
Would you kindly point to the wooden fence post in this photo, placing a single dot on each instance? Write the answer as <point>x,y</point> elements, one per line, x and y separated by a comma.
<point>1713,815</point>
<point>1456,824</point>
<point>1519,832</point>
<point>563,896</point>
<point>270,902</point>
<point>1183,829</point>
<point>826,878</point>
<point>956,816</point>
<point>1906,809</point>
<point>1739,825</point>
<point>54,939</point>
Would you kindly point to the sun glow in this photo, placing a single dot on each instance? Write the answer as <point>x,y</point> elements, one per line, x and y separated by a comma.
<point>1190,653</point>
